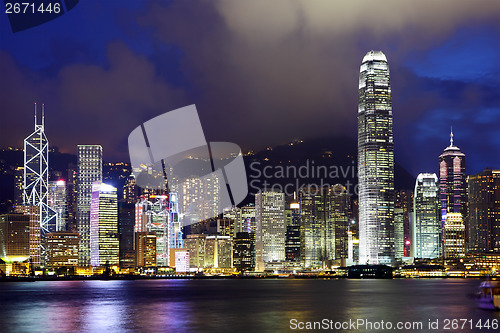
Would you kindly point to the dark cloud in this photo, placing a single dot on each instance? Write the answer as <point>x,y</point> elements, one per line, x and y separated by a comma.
<point>265,72</point>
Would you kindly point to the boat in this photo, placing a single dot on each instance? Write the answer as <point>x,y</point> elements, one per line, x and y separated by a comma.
<point>488,296</point>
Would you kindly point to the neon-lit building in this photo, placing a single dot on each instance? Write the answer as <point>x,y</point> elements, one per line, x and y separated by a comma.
<point>104,242</point>
<point>161,217</point>
<point>375,162</point>
<point>427,222</point>
<point>89,171</point>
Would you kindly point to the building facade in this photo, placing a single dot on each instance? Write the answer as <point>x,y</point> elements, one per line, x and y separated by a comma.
<point>484,211</point>
<point>89,171</point>
<point>375,161</point>
<point>270,228</point>
<point>427,222</point>
<point>104,242</point>
<point>452,182</point>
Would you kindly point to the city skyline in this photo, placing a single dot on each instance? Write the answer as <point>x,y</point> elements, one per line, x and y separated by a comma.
<point>445,73</point>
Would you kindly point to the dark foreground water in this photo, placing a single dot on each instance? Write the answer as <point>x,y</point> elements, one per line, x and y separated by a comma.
<point>240,305</point>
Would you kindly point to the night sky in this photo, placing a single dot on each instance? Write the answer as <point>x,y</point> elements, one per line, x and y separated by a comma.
<point>260,72</point>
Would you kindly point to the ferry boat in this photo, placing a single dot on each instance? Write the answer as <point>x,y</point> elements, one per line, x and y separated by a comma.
<point>488,296</point>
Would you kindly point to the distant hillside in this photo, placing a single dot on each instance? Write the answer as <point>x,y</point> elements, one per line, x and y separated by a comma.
<point>326,161</point>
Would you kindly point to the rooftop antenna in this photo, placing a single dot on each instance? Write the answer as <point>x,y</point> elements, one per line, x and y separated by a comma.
<point>35,114</point>
<point>43,115</point>
<point>451,136</point>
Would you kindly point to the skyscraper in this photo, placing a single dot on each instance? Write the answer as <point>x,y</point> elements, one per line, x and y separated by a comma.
<point>452,186</point>
<point>104,240</point>
<point>375,161</point>
<point>270,228</point>
<point>89,171</point>
<point>36,178</point>
<point>454,236</point>
<point>484,211</point>
<point>426,221</point>
<point>57,199</point>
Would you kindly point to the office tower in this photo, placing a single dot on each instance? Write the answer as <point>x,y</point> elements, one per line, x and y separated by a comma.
<point>196,246</point>
<point>452,186</point>
<point>71,198</point>
<point>62,249</point>
<point>292,236</point>
<point>313,226</point>
<point>484,211</point>
<point>403,208</point>
<point>218,252</point>
<point>323,225</point>
<point>270,228</point>
<point>338,221</point>
<point>104,243</point>
<point>126,222</point>
<point>18,186</point>
<point>36,178</point>
<point>89,171</point>
<point>145,249</point>
<point>130,191</point>
<point>244,251</point>
<point>248,218</point>
<point>33,213</point>
<point>427,221</point>
<point>14,237</point>
<point>454,236</point>
<point>375,162</point>
<point>160,216</point>
<point>57,198</point>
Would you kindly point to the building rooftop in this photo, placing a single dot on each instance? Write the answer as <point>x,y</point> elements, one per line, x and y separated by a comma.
<point>375,55</point>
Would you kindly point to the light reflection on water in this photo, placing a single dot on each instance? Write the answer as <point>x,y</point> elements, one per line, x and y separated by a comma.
<point>227,305</point>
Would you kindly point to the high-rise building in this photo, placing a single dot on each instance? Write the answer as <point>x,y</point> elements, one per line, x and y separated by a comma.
<point>62,249</point>
<point>89,171</point>
<point>427,229</point>
<point>484,211</point>
<point>104,243</point>
<point>36,178</point>
<point>126,222</point>
<point>57,199</point>
<point>292,236</point>
<point>454,236</point>
<point>160,216</point>
<point>244,251</point>
<point>33,213</point>
<point>403,208</point>
<point>218,252</point>
<point>375,161</point>
<point>145,249</point>
<point>71,198</point>
<point>313,218</point>
<point>270,228</point>
<point>452,182</point>
<point>14,237</point>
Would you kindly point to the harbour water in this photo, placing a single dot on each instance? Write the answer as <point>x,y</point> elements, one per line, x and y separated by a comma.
<point>229,305</point>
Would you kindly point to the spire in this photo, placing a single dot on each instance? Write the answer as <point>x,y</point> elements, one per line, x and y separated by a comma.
<point>451,137</point>
<point>35,114</point>
<point>43,115</point>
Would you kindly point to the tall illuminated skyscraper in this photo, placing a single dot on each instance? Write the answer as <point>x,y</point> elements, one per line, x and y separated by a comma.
<point>89,171</point>
<point>36,178</point>
<point>426,222</point>
<point>375,162</point>
<point>270,228</point>
<point>104,242</point>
